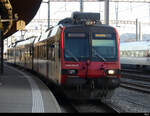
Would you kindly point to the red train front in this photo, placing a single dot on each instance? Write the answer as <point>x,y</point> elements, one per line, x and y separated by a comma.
<point>90,62</point>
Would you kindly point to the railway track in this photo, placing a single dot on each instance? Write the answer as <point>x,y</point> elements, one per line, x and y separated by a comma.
<point>85,106</point>
<point>82,106</point>
<point>136,71</point>
<point>95,106</point>
<point>135,80</point>
<point>135,87</point>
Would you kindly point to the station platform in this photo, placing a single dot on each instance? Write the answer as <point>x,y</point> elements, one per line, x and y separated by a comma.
<point>21,92</point>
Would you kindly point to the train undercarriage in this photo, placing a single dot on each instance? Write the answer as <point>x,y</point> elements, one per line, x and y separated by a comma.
<point>100,89</point>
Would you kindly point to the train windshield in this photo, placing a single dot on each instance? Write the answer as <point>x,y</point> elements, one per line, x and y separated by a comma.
<point>76,46</point>
<point>104,47</point>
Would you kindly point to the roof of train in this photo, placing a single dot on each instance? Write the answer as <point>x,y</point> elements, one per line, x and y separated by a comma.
<point>101,25</point>
<point>138,45</point>
<point>29,40</point>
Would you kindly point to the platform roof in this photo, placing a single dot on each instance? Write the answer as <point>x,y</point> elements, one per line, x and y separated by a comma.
<point>26,10</point>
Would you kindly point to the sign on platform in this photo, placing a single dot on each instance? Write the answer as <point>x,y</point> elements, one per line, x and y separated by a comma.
<point>20,25</point>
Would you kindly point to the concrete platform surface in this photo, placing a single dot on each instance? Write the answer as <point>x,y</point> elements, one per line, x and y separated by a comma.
<point>25,93</point>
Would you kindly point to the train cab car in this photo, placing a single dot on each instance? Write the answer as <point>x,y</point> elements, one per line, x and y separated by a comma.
<point>84,56</point>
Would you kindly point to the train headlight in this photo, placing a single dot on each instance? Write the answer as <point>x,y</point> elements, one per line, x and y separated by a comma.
<point>69,71</point>
<point>111,72</point>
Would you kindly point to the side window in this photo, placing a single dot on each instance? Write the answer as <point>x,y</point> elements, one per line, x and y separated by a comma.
<point>141,53</point>
<point>45,53</point>
<point>148,54</point>
<point>120,53</point>
<point>59,50</point>
<point>132,53</point>
<point>49,52</point>
<point>53,52</point>
<point>145,53</point>
<point>38,52</point>
<point>30,50</point>
<point>128,53</point>
<point>35,56</point>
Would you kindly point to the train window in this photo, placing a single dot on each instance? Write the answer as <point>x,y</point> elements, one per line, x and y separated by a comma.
<point>132,53</point>
<point>145,53</point>
<point>41,50</point>
<point>36,52</point>
<point>128,53</point>
<point>148,54</point>
<point>27,52</point>
<point>30,51</point>
<point>124,53</point>
<point>44,51</point>
<point>51,54</point>
<point>141,53</point>
<point>76,46</point>
<point>41,53</point>
<point>104,48</point>
<point>136,53</point>
<point>121,53</point>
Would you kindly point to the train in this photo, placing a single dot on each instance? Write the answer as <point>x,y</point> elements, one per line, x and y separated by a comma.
<point>79,54</point>
<point>135,55</point>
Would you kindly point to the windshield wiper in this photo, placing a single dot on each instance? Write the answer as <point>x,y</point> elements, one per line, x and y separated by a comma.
<point>74,57</point>
<point>98,55</point>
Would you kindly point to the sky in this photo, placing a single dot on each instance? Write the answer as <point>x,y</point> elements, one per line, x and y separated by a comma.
<point>59,10</point>
<point>126,11</point>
